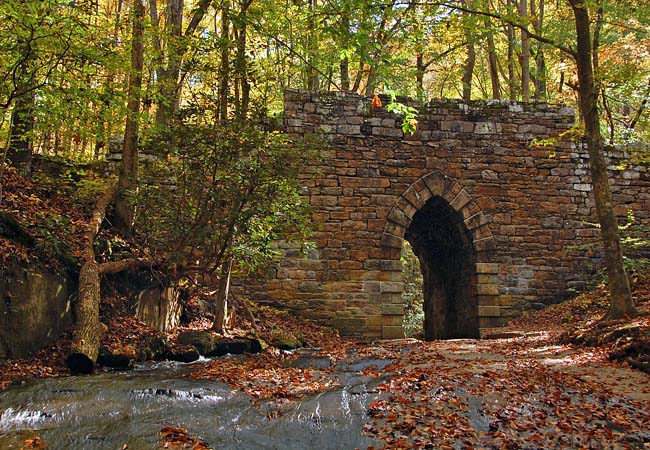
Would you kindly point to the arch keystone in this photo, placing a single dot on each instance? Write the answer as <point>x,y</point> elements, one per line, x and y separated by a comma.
<point>437,183</point>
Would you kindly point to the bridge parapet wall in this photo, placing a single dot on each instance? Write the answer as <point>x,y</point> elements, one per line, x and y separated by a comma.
<point>527,207</point>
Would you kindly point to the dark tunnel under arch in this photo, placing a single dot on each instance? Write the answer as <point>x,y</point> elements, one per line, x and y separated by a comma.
<point>443,244</point>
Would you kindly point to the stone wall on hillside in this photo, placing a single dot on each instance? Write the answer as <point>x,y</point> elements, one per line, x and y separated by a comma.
<point>500,216</point>
<point>35,308</point>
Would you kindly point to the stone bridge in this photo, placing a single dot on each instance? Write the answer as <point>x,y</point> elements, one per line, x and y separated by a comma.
<point>499,222</point>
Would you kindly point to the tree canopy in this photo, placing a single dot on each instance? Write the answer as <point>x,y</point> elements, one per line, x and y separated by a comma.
<point>64,66</point>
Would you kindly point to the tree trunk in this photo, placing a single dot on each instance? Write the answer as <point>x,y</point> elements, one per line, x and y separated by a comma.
<point>241,66</point>
<point>20,137</point>
<point>540,62</point>
<point>224,83</point>
<point>312,49</point>
<point>525,55</point>
<point>493,62</point>
<point>512,85</point>
<point>621,303</point>
<point>221,307</point>
<point>168,77</point>
<point>468,71</point>
<point>124,209</point>
<point>541,91</point>
<point>344,68</point>
<point>104,125</point>
<point>370,83</point>
<point>344,64</point>
<point>358,77</point>
<point>88,329</point>
<point>420,68</point>
<point>470,61</point>
<point>112,267</point>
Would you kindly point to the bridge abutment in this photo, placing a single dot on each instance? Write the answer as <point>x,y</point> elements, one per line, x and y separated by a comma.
<point>517,215</point>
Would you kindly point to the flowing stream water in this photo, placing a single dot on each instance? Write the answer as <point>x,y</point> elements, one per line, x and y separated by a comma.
<point>109,410</point>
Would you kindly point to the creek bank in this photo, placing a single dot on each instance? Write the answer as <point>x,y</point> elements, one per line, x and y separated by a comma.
<point>111,410</point>
<point>188,346</point>
<point>580,322</point>
<point>505,393</point>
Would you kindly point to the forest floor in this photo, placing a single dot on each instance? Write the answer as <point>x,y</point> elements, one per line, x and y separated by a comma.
<point>556,378</point>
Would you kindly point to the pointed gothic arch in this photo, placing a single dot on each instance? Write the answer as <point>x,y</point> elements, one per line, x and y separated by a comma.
<point>452,239</point>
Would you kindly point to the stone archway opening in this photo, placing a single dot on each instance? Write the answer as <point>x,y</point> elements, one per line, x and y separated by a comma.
<point>444,246</point>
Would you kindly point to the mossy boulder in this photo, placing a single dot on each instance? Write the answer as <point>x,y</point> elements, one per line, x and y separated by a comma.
<point>204,341</point>
<point>237,346</point>
<point>286,341</point>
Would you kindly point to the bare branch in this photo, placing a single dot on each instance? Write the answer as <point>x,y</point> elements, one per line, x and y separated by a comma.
<point>112,267</point>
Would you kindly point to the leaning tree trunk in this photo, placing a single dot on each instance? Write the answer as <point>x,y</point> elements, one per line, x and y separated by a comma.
<point>88,330</point>
<point>621,303</point>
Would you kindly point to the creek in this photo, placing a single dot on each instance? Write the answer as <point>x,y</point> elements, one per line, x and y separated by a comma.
<point>108,410</point>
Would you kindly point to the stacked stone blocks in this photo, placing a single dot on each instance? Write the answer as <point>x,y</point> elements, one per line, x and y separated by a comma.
<point>528,207</point>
